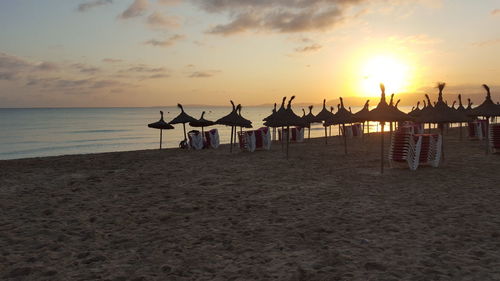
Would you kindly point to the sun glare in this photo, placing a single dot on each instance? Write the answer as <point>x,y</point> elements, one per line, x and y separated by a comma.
<point>383,69</point>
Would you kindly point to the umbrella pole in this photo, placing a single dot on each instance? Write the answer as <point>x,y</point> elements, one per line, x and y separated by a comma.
<point>487,135</point>
<point>283,139</point>
<point>326,136</point>
<point>185,135</point>
<point>345,140</point>
<point>231,141</point>
<point>442,140</point>
<point>287,140</point>
<point>309,133</point>
<point>382,148</point>
<point>460,130</point>
<point>161,133</point>
<point>368,126</point>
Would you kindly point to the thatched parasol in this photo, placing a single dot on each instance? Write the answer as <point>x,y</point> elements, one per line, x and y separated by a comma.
<point>440,113</point>
<point>462,111</point>
<point>309,118</point>
<point>385,113</point>
<point>182,118</point>
<point>241,121</point>
<point>487,109</point>
<point>342,116</point>
<point>322,116</point>
<point>162,125</point>
<point>415,111</point>
<point>271,115</point>
<point>228,120</point>
<point>202,122</point>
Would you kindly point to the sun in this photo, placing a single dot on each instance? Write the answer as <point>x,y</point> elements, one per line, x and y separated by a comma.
<point>387,69</point>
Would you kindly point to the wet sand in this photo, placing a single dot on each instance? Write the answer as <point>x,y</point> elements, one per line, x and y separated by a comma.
<point>211,215</point>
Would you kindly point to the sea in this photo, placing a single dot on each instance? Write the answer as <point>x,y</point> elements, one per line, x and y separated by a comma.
<point>38,132</point>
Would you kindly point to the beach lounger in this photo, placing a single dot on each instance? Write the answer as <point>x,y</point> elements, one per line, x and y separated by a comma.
<point>296,134</point>
<point>476,130</point>
<point>195,140</point>
<point>430,149</point>
<point>247,140</point>
<point>404,150</point>
<point>212,139</point>
<point>263,138</point>
<point>495,138</point>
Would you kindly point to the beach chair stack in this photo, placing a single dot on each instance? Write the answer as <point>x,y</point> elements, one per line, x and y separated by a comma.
<point>495,138</point>
<point>404,150</point>
<point>195,140</point>
<point>430,149</point>
<point>411,127</point>
<point>212,139</point>
<point>477,129</point>
<point>296,134</point>
<point>414,150</point>
<point>255,139</point>
<point>357,130</point>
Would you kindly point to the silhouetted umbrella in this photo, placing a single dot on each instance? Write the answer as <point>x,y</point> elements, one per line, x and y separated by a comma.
<point>182,118</point>
<point>202,122</point>
<point>242,122</point>
<point>309,118</point>
<point>233,120</point>
<point>462,111</point>
<point>415,111</point>
<point>271,115</point>
<point>385,113</point>
<point>342,116</point>
<point>440,113</point>
<point>162,125</point>
<point>322,116</point>
<point>487,109</point>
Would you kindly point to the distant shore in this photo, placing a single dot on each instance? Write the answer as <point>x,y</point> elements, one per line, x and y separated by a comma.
<point>211,215</point>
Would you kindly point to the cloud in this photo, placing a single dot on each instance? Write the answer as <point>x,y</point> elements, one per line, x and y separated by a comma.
<point>495,12</point>
<point>92,4</point>
<point>169,2</point>
<point>309,49</point>
<point>165,43</point>
<point>109,60</point>
<point>282,16</point>
<point>85,68</point>
<point>203,74</point>
<point>137,8</point>
<point>487,43</point>
<point>47,66</point>
<point>144,68</point>
<point>157,19</point>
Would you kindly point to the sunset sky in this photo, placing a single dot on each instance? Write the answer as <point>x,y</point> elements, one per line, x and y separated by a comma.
<point>78,53</point>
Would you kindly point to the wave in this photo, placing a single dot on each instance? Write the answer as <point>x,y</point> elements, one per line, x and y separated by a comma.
<point>98,131</point>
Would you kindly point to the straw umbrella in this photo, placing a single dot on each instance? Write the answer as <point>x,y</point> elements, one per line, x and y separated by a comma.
<point>323,116</point>
<point>441,114</point>
<point>202,122</point>
<point>182,118</point>
<point>462,111</point>
<point>362,115</point>
<point>270,117</point>
<point>487,109</point>
<point>384,113</point>
<point>310,118</point>
<point>162,125</point>
<point>229,120</point>
<point>270,121</point>
<point>342,116</point>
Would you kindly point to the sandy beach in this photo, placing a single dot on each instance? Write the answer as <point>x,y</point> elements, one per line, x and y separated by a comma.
<point>211,215</point>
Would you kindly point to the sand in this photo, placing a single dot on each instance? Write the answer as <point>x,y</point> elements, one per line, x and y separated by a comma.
<point>211,215</point>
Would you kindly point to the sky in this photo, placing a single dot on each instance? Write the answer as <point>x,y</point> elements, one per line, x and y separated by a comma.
<point>114,53</point>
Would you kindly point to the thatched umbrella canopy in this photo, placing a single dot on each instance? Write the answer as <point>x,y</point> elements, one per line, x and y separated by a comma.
<point>242,121</point>
<point>385,113</point>
<point>202,122</point>
<point>162,125</point>
<point>415,111</point>
<point>440,113</point>
<point>323,116</point>
<point>462,111</point>
<point>229,120</point>
<point>487,109</point>
<point>309,118</point>
<point>271,115</point>
<point>363,113</point>
<point>182,118</point>
<point>342,116</point>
